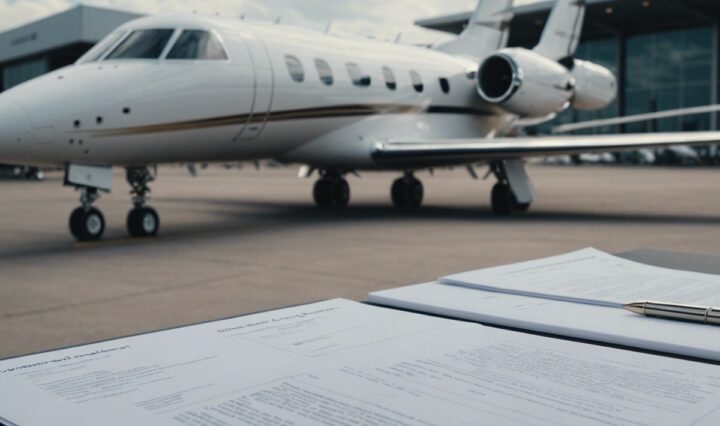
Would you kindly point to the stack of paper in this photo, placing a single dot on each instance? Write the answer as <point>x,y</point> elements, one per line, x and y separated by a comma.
<point>577,295</point>
<point>343,363</point>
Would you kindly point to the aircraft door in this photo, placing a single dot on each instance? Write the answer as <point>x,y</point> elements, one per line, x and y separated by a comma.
<point>264,88</point>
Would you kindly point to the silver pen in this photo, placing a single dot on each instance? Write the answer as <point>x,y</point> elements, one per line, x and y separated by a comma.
<point>674,311</point>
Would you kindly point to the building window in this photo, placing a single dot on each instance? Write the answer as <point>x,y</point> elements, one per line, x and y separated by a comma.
<point>198,45</point>
<point>20,72</point>
<point>357,76</point>
<point>324,72</point>
<point>445,85</point>
<point>295,67</point>
<point>142,44</point>
<point>417,82</point>
<point>669,70</point>
<point>390,81</point>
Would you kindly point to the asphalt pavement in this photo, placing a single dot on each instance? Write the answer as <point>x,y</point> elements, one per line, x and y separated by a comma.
<point>240,241</point>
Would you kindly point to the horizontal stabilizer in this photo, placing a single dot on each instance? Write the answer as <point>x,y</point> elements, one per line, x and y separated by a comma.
<point>430,153</point>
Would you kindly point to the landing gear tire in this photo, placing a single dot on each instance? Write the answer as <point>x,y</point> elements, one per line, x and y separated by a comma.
<point>504,202</point>
<point>87,224</point>
<point>331,192</point>
<point>407,192</point>
<point>143,222</point>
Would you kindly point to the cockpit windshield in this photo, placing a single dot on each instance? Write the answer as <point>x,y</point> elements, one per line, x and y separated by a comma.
<point>142,44</point>
<point>197,45</point>
<point>186,44</point>
<point>101,48</point>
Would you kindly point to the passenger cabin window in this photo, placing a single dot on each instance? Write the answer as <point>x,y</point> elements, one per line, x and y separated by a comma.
<point>357,76</point>
<point>417,82</point>
<point>198,45</point>
<point>324,72</point>
<point>390,81</point>
<point>295,67</point>
<point>445,85</point>
<point>142,44</point>
<point>102,47</point>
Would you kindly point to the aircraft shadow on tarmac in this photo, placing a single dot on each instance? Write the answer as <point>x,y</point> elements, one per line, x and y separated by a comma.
<point>241,218</point>
<point>295,215</point>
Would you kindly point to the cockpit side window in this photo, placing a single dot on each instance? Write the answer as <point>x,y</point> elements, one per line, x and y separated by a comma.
<point>102,47</point>
<point>198,45</point>
<point>142,44</point>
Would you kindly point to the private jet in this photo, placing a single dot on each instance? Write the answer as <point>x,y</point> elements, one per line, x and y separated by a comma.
<point>194,89</point>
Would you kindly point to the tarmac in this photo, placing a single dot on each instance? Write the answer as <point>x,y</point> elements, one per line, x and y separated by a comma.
<point>240,241</point>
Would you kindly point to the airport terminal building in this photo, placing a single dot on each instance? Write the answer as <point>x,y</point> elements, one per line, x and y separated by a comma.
<point>54,42</point>
<point>666,53</point>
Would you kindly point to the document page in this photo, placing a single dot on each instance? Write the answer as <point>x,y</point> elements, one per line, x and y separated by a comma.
<point>594,277</point>
<point>344,363</point>
<point>134,380</point>
<point>591,322</point>
<point>480,376</point>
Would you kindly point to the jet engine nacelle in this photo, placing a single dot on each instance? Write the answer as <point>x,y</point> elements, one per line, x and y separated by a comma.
<point>525,83</point>
<point>595,86</point>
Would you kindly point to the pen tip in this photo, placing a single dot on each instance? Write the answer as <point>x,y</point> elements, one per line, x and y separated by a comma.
<point>637,307</point>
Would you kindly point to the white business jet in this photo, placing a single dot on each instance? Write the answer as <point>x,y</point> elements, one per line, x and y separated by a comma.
<point>185,89</point>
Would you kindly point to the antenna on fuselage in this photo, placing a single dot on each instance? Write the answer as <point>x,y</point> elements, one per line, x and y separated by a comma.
<point>398,37</point>
<point>328,27</point>
<point>278,20</point>
<point>242,17</point>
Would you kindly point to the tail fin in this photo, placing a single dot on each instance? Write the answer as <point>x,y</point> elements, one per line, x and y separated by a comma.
<point>487,31</point>
<point>563,30</point>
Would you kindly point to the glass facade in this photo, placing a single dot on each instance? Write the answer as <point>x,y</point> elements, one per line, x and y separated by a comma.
<point>20,72</point>
<point>670,70</point>
<point>663,71</point>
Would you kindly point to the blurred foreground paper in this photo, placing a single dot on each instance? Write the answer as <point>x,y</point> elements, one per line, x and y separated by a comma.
<point>594,277</point>
<point>342,363</point>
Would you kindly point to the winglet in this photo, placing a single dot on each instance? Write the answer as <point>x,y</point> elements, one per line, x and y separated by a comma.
<point>563,30</point>
<point>487,31</point>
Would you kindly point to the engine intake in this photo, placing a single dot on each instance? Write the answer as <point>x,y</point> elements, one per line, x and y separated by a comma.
<point>499,78</point>
<point>525,83</point>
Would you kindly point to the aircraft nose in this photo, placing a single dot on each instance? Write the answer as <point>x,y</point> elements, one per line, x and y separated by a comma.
<point>15,132</point>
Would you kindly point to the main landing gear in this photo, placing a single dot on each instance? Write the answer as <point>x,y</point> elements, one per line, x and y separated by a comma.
<point>407,192</point>
<point>513,192</point>
<point>87,223</point>
<point>331,190</point>
<point>142,221</point>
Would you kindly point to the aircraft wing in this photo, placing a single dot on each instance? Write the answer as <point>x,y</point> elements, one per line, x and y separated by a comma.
<point>437,152</point>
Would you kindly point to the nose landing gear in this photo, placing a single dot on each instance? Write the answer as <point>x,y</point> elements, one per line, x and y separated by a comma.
<point>142,221</point>
<point>86,222</point>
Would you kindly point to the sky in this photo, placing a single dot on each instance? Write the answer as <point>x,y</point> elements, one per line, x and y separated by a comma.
<point>384,19</point>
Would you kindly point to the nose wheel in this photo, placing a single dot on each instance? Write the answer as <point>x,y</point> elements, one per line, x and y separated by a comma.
<point>142,221</point>
<point>331,190</point>
<point>86,222</point>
